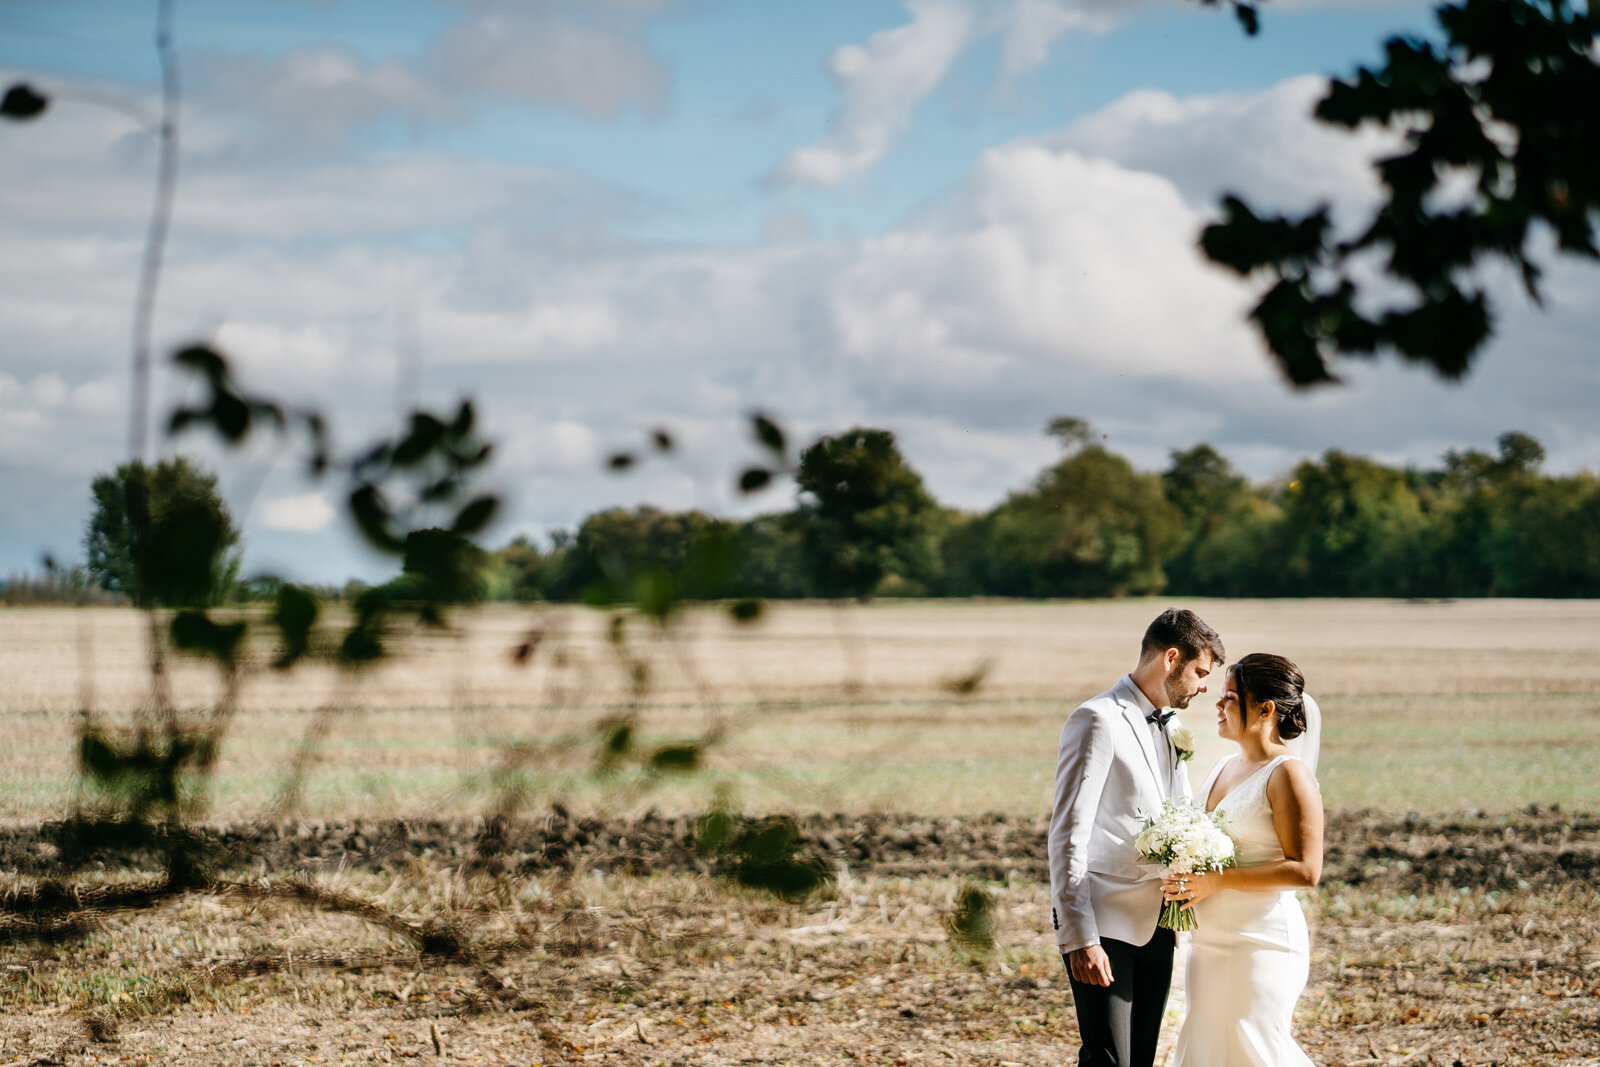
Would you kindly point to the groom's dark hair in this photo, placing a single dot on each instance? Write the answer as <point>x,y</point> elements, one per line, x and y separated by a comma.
<point>1185,631</point>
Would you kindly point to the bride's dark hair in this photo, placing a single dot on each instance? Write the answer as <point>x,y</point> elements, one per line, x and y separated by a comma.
<point>1263,676</point>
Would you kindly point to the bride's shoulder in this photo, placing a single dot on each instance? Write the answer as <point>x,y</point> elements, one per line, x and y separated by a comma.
<point>1293,775</point>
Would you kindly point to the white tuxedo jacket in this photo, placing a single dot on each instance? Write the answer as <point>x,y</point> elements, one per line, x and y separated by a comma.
<point>1111,773</point>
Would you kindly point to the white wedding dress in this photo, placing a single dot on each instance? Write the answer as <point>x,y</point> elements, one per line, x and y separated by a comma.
<point>1249,957</point>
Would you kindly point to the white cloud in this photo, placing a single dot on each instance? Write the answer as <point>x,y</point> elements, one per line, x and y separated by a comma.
<point>1261,144</point>
<point>304,513</point>
<point>1045,256</point>
<point>320,95</point>
<point>881,83</point>
<point>592,59</point>
<point>1028,29</point>
<point>1060,277</point>
<point>553,55</point>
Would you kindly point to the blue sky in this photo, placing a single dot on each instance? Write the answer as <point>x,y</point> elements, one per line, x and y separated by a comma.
<point>953,218</point>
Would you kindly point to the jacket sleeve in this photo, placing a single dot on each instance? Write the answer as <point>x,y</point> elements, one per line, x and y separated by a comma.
<point>1083,762</point>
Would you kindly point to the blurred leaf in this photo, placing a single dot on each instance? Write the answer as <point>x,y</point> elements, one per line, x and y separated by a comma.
<point>971,924</point>
<point>462,424</point>
<point>442,489</point>
<point>294,614</point>
<point>769,857</point>
<point>747,610</point>
<point>714,830</point>
<point>679,758</point>
<point>1248,18</point>
<point>232,417</point>
<point>362,644</point>
<point>97,756</point>
<point>426,433</point>
<point>969,683</point>
<point>317,427</point>
<point>621,461</point>
<point>753,479</point>
<point>182,418</point>
<point>768,433</point>
<point>372,517</point>
<point>523,653</point>
<point>22,103</point>
<point>203,360</point>
<point>197,632</point>
<point>662,440</point>
<point>616,741</point>
<point>476,515</point>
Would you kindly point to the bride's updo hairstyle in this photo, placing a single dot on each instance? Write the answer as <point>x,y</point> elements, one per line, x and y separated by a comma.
<point>1262,676</point>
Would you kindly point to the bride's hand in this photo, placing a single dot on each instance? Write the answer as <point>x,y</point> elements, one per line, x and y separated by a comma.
<point>1190,887</point>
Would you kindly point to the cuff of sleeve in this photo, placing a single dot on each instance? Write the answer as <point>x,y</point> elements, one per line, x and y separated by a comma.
<point>1072,946</point>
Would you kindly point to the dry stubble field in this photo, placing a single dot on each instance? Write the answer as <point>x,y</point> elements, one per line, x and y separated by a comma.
<point>1454,925</point>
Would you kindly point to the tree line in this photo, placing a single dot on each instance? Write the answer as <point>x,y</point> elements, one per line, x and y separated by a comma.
<point>864,524</point>
<point>1092,525</point>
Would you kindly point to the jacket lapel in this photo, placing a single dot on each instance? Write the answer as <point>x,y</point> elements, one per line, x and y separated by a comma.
<point>1134,717</point>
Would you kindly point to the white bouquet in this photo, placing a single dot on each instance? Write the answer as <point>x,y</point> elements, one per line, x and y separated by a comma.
<point>1186,840</point>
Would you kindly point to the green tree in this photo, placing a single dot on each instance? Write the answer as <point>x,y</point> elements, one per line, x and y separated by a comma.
<point>1352,527</point>
<point>1242,555</point>
<point>864,517</point>
<point>1091,526</point>
<point>649,556</point>
<point>516,572</point>
<point>1544,537</point>
<point>1204,487</point>
<point>772,559</point>
<point>162,535</point>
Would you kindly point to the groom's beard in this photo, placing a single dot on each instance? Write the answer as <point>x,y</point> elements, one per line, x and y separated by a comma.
<point>1176,697</point>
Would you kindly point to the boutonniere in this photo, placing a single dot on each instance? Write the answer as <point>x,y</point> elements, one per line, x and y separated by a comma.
<point>1182,741</point>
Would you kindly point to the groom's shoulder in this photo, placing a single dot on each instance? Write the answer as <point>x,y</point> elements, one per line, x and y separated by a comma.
<point>1108,703</point>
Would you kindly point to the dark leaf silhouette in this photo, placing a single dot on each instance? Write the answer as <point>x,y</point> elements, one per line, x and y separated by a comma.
<point>747,609</point>
<point>197,632</point>
<point>679,758</point>
<point>620,461</point>
<point>426,433</point>
<point>1502,107</point>
<point>754,479</point>
<point>372,517</point>
<point>616,741</point>
<point>294,614</point>
<point>769,856</point>
<point>476,515</point>
<point>97,756</point>
<point>662,440</point>
<point>768,433</point>
<point>23,102</point>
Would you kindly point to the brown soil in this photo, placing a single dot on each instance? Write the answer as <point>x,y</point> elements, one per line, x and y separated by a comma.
<point>1436,941</point>
<point>1533,850</point>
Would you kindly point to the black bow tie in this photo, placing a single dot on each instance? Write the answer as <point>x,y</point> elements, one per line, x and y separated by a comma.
<point>1160,716</point>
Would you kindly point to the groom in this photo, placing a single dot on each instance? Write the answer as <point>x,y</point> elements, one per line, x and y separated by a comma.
<point>1117,764</point>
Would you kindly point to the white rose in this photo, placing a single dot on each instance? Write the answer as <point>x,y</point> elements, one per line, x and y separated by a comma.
<point>1182,740</point>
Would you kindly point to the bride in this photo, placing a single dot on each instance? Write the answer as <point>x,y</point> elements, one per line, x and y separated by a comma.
<point>1248,959</point>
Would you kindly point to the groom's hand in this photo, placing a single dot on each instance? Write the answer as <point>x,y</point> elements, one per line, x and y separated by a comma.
<point>1089,965</point>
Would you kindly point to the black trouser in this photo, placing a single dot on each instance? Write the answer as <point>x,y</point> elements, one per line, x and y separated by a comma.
<point>1119,1023</point>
